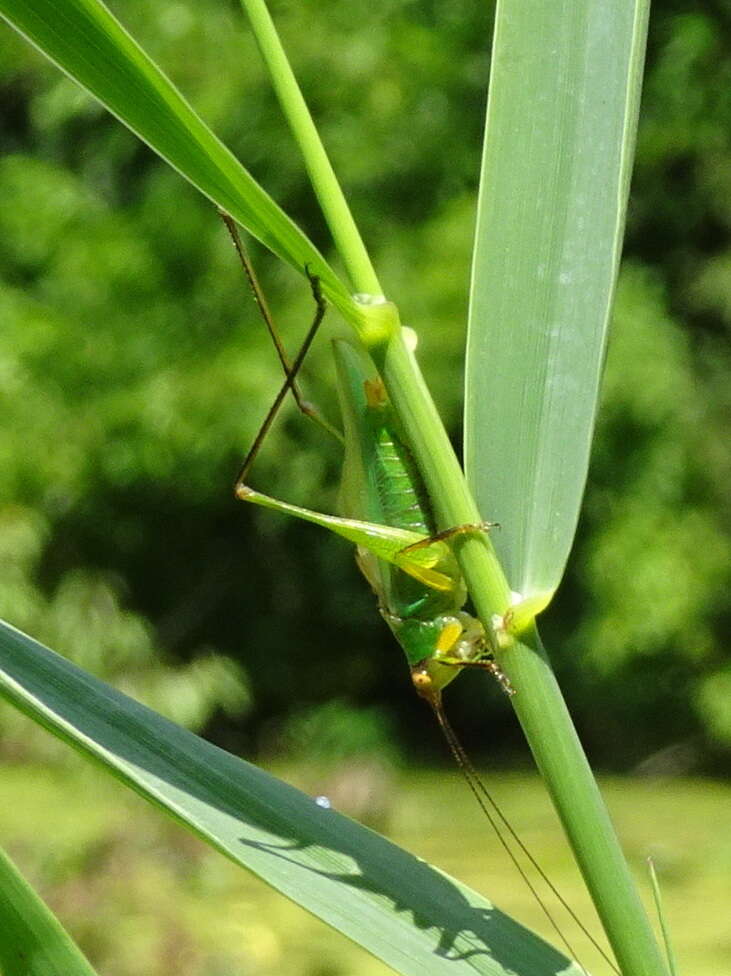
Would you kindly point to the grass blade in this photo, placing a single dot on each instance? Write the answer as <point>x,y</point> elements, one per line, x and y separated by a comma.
<point>86,41</point>
<point>33,942</point>
<point>657,897</point>
<point>416,919</point>
<point>561,118</point>
<point>561,121</point>
<point>322,176</point>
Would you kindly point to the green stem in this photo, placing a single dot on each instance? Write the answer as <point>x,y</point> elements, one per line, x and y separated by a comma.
<point>559,755</point>
<point>322,176</point>
<point>538,702</point>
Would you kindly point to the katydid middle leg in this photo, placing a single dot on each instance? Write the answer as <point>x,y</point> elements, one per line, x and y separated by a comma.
<point>289,380</point>
<point>445,534</point>
<point>307,408</point>
<point>486,663</point>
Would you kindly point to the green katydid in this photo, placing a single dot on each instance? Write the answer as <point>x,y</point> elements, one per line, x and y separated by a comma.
<point>409,565</point>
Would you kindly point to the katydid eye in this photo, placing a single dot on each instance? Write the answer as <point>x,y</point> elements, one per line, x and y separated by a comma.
<point>422,682</point>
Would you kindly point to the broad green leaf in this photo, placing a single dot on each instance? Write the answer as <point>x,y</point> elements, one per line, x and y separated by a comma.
<point>32,941</point>
<point>87,42</point>
<point>561,119</point>
<point>412,916</point>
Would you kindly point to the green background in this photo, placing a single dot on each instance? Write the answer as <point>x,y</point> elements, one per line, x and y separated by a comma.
<point>135,373</point>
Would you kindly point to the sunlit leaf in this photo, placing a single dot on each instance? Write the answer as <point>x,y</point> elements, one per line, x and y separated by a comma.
<point>87,42</point>
<point>561,121</point>
<point>413,917</point>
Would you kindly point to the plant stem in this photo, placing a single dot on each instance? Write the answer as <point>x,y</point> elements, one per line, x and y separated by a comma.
<point>558,753</point>
<point>322,176</point>
<point>538,702</point>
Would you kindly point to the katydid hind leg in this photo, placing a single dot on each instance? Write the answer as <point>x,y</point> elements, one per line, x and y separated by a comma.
<point>307,408</point>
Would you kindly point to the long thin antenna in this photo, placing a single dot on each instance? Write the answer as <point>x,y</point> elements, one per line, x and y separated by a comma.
<point>307,408</point>
<point>487,804</point>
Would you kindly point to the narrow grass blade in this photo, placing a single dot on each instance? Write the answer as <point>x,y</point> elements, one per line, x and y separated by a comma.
<point>86,41</point>
<point>416,919</point>
<point>561,119</point>
<point>664,928</point>
<point>332,201</point>
<point>32,940</point>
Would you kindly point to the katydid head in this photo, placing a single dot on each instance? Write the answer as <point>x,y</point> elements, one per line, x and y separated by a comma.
<point>438,648</point>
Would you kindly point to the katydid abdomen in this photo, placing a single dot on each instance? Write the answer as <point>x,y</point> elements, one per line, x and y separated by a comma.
<point>381,484</point>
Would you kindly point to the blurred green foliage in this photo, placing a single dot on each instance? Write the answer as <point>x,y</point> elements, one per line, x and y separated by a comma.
<point>135,373</point>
